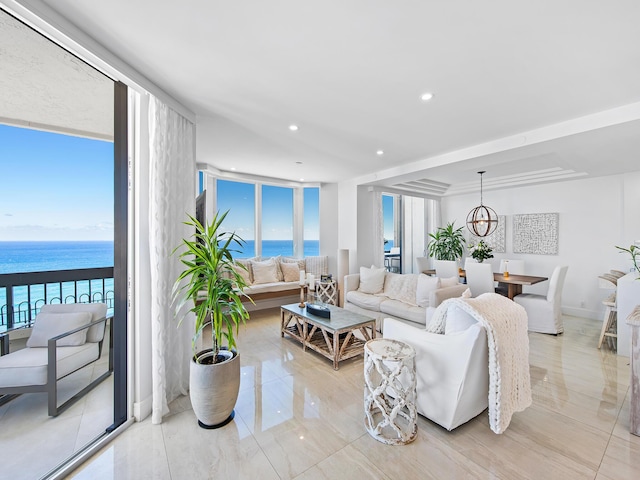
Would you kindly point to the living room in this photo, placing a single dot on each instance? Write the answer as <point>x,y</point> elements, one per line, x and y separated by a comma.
<point>534,97</point>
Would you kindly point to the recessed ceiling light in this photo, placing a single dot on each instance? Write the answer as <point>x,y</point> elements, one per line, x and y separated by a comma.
<point>302,179</point>
<point>298,163</point>
<point>380,152</point>
<point>293,128</point>
<point>233,168</point>
<point>425,97</point>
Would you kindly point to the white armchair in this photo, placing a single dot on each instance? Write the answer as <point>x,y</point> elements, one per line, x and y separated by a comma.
<point>452,372</point>
<point>543,311</point>
<point>65,338</point>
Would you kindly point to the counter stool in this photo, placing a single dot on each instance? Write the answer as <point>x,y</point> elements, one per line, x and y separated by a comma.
<point>390,391</point>
<point>609,322</point>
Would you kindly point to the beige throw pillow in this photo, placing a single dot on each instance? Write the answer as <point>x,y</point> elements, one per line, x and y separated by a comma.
<point>371,279</point>
<point>290,271</point>
<point>449,282</point>
<point>265,272</point>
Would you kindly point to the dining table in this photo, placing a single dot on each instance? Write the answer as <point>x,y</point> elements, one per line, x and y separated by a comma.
<point>514,282</point>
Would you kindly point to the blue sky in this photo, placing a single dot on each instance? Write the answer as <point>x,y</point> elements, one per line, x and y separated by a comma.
<point>387,214</point>
<point>54,187</point>
<point>277,210</point>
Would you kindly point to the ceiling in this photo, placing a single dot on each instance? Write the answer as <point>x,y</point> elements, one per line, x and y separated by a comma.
<point>44,87</point>
<point>528,91</point>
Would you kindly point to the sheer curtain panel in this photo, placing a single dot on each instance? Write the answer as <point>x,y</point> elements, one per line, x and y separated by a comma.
<point>172,197</point>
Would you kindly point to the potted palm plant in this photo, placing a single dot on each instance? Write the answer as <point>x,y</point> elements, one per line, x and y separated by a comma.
<point>211,285</point>
<point>447,243</point>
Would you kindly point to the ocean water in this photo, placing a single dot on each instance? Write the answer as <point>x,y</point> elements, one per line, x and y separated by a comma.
<point>25,257</point>
<point>19,257</point>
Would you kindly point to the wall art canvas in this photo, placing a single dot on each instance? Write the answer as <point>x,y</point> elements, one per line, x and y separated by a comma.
<point>536,233</point>
<point>496,240</point>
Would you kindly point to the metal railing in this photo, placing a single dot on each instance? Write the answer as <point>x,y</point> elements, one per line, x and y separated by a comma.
<point>23,294</point>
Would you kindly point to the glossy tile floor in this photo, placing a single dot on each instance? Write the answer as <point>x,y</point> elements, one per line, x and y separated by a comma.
<point>298,418</point>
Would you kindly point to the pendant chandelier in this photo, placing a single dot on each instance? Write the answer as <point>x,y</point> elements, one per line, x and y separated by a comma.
<point>482,220</point>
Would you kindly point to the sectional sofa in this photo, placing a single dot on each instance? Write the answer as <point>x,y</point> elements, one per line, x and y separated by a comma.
<point>411,298</point>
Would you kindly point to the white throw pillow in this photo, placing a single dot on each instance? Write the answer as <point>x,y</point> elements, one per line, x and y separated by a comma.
<point>371,279</point>
<point>245,274</point>
<point>290,271</point>
<point>265,271</point>
<point>49,325</point>
<point>449,282</point>
<point>426,285</point>
<point>457,320</point>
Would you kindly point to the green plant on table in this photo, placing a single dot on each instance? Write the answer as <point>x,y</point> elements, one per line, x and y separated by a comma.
<point>481,251</point>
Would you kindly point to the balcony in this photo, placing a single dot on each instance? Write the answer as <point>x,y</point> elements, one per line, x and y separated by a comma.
<point>23,294</point>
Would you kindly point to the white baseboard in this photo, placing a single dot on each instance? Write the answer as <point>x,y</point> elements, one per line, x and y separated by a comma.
<point>142,410</point>
<point>582,312</point>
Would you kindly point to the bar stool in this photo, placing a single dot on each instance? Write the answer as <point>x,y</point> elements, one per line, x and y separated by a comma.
<point>610,320</point>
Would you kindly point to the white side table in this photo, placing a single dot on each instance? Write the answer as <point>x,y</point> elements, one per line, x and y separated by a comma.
<point>390,391</point>
<point>327,292</point>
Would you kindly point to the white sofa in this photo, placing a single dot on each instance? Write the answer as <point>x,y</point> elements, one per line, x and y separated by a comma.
<point>407,297</point>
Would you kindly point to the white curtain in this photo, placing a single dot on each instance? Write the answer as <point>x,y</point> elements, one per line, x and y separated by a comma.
<point>172,195</point>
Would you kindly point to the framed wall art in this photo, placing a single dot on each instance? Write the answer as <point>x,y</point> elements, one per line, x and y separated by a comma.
<point>536,233</point>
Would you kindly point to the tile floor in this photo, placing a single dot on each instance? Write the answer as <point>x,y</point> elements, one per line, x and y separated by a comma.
<point>298,418</point>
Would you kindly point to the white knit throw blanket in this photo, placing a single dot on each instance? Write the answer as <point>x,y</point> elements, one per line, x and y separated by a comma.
<point>506,324</point>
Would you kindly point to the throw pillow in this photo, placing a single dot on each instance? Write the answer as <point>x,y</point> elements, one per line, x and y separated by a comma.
<point>458,320</point>
<point>449,282</point>
<point>426,285</point>
<point>371,279</point>
<point>49,325</point>
<point>466,293</point>
<point>298,261</point>
<point>290,272</point>
<point>265,271</point>
<point>246,271</point>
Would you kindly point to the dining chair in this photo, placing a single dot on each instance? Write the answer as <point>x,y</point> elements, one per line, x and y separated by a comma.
<point>480,278</point>
<point>544,312</point>
<point>446,268</point>
<point>515,267</point>
<point>422,264</point>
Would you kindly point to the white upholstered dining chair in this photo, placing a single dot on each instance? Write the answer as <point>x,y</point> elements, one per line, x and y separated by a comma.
<point>543,311</point>
<point>446,268</point>
<point>480,278</point>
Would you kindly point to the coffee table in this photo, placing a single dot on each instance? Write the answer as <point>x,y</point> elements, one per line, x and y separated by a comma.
<point>332,337</point>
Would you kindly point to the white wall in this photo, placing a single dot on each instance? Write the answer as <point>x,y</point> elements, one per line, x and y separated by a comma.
<point>595,215</point>
<point>328,231</point>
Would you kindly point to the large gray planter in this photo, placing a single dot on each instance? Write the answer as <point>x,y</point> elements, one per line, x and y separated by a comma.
<point>214,390</point>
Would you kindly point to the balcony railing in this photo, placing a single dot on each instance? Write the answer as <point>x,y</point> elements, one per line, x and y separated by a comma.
<point>23,294</point>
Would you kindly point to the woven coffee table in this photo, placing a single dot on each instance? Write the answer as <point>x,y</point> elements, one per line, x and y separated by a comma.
<point>332,337</point>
